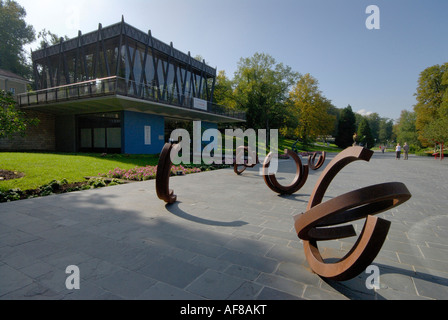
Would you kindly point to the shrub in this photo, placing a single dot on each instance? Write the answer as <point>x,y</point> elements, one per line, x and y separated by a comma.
<point>97,183</point>
<point>11,195</point>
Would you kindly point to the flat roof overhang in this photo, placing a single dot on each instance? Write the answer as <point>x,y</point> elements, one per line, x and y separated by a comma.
<point>113,103</point>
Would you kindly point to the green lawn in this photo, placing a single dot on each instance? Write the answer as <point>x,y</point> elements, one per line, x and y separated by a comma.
<point>41,168</point>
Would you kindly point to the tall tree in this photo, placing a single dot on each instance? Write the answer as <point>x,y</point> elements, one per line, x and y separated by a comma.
<point>261,88</point>
<point>365,134</point>
<point>432,98</point>
<point>346,128</point>
<point>385,133</point>
<point>405,128</point>
<point>374,120</point>
<point>310,108</point>
<point>223,91</point>
<point>14,35</point>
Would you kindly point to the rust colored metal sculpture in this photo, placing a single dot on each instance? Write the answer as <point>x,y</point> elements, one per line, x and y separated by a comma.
<point>299,179</point>
<point>320,161</point>
<point>242,162</point>
<point>320,221</point>
<point>163,174</point>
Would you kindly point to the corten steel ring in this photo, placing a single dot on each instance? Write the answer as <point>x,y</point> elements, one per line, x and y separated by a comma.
<point>299,179</point>
<point>317,223</point>
<point>319,163</point>
<point>163,174</point>
<point>240,160</point>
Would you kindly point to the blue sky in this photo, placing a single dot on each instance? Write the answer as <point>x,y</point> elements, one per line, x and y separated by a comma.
<point>372,70</point>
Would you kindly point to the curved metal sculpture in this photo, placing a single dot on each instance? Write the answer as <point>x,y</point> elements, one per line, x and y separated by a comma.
<point>320,161</point>
<point>240,160</point>
<point>318,222</point>
<point>299,179</point>
<point>163,174</point>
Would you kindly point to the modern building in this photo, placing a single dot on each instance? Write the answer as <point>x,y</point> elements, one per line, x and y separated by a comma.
<point>114,89</point>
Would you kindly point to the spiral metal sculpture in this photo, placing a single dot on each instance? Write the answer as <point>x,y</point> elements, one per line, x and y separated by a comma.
<point>240,164</point>
<point>299,179</point>
<point>318,222</point>
<point>320,161</point>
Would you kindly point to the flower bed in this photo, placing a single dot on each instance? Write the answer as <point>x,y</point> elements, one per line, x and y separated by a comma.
<point>146,173</point>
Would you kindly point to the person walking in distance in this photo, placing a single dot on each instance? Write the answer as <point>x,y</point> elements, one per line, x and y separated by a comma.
<point>406,150</point>
<point>397,151</point>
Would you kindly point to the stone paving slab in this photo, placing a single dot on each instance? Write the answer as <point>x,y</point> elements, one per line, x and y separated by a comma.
<point>227,237</point>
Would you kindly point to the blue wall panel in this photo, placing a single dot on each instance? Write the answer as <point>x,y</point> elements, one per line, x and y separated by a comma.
<point>133,133</point>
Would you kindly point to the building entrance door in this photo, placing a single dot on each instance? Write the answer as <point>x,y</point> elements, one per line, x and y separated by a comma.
<point>99,132</point>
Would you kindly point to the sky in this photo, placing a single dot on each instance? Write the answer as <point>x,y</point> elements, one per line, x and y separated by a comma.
<point>372,70</point>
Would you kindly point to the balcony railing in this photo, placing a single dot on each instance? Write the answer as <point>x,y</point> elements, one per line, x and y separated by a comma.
<point>120,86</point>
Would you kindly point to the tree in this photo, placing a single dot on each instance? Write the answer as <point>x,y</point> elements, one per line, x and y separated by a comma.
<point>310,108</point>
<point>12,120</point>
<point>385,133</point>
<point>365,134</point>
<point>374,120</point>
<point>49,38</point>
<point>261,86</point>
<point>14,35</point>
<point>437,131</point>
<point>405,128</point>
<point>432,98</point>
<point>346,128</point>
<point>223,91</point>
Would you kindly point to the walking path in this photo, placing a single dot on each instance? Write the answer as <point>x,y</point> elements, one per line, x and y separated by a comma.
<point>227,237</point>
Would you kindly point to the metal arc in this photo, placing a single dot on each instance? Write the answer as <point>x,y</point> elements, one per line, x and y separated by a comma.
<point>320,161</point>
<point>340,161</point>
<point>252,159</point>
<point>299,180</point>
<point>351,206</point>
<point>360,256</point>
<point>163,174</point>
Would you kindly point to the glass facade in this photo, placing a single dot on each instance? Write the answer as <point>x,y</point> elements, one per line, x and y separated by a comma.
<point>147,67</point>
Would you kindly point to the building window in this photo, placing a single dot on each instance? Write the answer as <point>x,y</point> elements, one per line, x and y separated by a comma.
<point>100,132</point>
<point>13,91</point>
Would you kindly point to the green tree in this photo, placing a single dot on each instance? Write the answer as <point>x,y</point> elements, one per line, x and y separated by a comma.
<point>310,108</point>
<point>14,35</point>
<point>432,98</point>
<point>405,129</point>
<point>12,120</point>
<point>48,38</point>
<point>261,86</point>
<point>374,120</point>
<point>385,133</point>
<point>346,128</point>
<point>365,134</point>
<point>223,91</point>
<point>437,131</point>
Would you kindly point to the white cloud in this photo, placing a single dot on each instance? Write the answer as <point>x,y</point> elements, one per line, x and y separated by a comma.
<point>364,112</point>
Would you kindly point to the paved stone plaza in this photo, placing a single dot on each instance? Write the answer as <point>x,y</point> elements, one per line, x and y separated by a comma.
<point>227,237</point>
